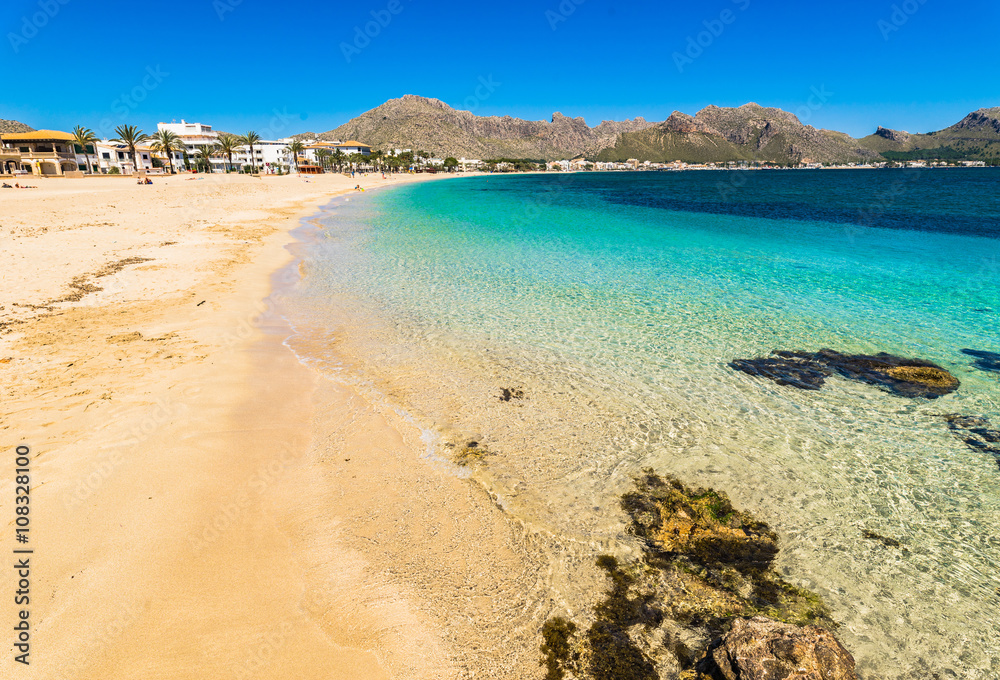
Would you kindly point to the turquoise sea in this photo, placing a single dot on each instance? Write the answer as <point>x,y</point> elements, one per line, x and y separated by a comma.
<point>614,302</point>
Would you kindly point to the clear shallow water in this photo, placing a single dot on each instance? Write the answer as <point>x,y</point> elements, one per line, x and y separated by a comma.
<point>615,302</point>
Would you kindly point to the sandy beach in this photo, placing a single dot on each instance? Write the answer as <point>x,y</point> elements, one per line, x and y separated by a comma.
<point>202,504</point>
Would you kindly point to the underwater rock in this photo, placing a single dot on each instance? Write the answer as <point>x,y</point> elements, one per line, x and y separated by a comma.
<point>884,540</point>
<point>508,393</point>
<point>987,361</point>
<point>789,371</point>
<point>762,649</point>
<point>976,432</point>
<point>705,564</point>
<point>699,524</point>
<point>714,560</point>
<point>808,370</point>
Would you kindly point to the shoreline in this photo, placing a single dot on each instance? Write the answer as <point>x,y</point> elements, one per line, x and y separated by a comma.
<point>169,484</point>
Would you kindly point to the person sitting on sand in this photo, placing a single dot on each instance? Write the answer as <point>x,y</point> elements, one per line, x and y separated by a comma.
<point>149,181</point>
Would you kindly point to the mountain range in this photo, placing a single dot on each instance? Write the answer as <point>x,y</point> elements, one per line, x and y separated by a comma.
<point>420,123</point>
<point>747,133</point>
<point>715,134</point>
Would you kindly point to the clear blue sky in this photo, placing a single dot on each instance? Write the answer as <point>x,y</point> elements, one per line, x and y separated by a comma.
<point>918,65</point>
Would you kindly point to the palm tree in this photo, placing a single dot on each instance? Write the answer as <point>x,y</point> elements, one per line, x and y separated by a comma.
<point>338,158</point>
<point>130,135</point>
<point>228,145</point>
<point>169,143</point>
<point>205,155</point>
<point>84,137</point>
<point>295,148</point>
<point>323,155</point>
<point>249,139</point>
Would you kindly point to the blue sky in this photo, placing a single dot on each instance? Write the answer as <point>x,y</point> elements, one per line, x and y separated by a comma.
<point>308,65</point>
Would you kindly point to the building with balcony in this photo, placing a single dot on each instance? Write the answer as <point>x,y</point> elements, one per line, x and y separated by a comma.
<point>268,156</point>
<point>46,153</point>
<point>10,161</point>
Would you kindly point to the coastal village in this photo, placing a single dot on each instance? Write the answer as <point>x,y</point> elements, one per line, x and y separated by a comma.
<point>196,147</point>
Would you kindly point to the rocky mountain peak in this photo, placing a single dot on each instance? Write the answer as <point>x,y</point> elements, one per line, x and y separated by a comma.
<point>983,120</point>
<point>13,126</point>
<point>892,135</point>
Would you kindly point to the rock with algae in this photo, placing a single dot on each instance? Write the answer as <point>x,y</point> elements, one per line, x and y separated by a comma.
<point>707,565</point>
<point>903,377</point>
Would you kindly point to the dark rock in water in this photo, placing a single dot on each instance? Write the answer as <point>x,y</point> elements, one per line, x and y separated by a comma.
<point>987,361</point>
<point>785,371</point>
<point>508,393</point>
<point>884,540</point>
<point>976,432</point>
<point>808,370</point>
<point>762,649</point>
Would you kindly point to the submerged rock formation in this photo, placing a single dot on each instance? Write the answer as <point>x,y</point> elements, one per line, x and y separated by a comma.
<point>903,377</point>
<point>762,649</point>
<point>987,361</point>
<point>976,432</point>
<point>707,565</point>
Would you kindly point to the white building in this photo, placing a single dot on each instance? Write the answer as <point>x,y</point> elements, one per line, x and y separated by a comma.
<point>269,156</point>
<point>351,146</point>
<point>117,155</point>
<point>194,137</point>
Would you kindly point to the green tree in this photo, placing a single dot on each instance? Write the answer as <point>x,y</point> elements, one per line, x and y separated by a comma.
<point>324,157</point>
<point>130,136</point>
<point>228,145</point>
<point>84,137</point>
<point>205,156</point>
<point>338,159</point>
<point>168,143</point>
<point>249,139</point>
<point>450,163</point>
<point>296,148</point>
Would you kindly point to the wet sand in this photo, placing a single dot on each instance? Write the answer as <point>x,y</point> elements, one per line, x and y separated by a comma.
<point>202,504</point>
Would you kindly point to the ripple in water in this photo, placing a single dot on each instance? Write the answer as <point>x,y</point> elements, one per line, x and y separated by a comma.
<point>614,304</point>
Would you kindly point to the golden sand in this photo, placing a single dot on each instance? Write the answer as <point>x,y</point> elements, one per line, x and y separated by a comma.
<point>202,505</point>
